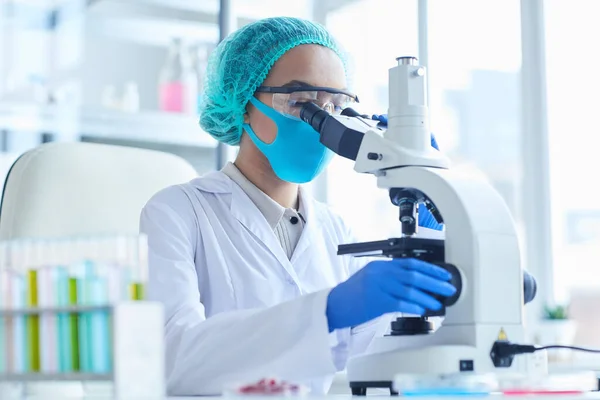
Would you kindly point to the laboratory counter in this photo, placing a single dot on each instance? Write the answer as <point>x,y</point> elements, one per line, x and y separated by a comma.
<point>592,396</point>
<point>102,392</point>
<point>589,395</point>
<point>374,394</point>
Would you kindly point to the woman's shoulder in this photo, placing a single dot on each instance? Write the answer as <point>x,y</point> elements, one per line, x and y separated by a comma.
<point>330,216</point>
<point>181,198</point>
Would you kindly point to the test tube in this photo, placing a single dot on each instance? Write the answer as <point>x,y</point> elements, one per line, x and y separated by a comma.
<point>83,271</point>
<point>46,259</point>
<point>124,261</point>
<point>32,320</point>
<point>65,341</point>
<point>75,250</point>
<point>99,276</point>
<point>20,350</point>
<point>4,345</point>
<point>120,281</point>
<point>17,294</point>
<point>138,250</point>
<point>143,254</point>
<point>6,292</point>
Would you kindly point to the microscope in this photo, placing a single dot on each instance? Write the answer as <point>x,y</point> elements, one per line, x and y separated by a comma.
<point>480,246</point>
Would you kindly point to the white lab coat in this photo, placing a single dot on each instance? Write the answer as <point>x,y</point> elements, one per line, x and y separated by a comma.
<point>236,308</point>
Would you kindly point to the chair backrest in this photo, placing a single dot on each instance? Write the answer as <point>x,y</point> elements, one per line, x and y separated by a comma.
<point>83,189</point>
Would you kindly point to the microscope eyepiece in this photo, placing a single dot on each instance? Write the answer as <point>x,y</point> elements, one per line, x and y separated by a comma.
<point>334,133</point>
<point>314,115</point>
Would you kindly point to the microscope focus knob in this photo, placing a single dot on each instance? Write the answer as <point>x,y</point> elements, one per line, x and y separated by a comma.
<point>529,287</point>
<point>455,281</point>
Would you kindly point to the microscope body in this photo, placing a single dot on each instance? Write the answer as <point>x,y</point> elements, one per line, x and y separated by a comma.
<point>480,240</point>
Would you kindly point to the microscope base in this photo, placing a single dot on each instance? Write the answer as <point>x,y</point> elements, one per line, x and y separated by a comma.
<point>360,388</point>
<point>378,370</point>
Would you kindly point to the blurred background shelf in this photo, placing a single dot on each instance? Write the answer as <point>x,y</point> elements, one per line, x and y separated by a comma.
<point>159,127</point>
<point>140,20</point>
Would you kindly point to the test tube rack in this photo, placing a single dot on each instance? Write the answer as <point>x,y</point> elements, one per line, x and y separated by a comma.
<point>137,351</point>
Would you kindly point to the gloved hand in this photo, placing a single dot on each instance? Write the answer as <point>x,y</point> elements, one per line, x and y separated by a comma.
<point>382,287</point>
<point>426,220</point>
<point>383,120</point>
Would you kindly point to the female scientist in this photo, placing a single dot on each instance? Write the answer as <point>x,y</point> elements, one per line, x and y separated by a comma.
<point>243,259</point>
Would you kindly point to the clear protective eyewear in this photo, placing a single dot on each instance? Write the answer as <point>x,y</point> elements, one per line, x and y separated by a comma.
<point>289,100</point>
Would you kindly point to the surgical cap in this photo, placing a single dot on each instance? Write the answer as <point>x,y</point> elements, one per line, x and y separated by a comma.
<point>240,64</point>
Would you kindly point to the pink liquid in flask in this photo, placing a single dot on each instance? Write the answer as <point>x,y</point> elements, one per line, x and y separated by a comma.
<point>171,97</point>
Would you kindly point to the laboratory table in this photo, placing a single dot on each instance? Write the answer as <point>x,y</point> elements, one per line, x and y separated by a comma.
<point>591,396</point>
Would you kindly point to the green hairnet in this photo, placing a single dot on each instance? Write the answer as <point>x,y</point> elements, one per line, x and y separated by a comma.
<point>241,62</point>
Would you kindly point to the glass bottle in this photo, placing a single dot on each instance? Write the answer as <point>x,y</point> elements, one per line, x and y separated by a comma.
<point>178,84</point>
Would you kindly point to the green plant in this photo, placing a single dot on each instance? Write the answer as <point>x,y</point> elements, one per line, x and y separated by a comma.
<point>556,312</point>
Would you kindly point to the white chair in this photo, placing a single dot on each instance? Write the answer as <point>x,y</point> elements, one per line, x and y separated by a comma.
<point>73,189</point>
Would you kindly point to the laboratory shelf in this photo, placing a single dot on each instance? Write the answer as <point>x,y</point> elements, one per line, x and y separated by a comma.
<point>157,127</point>
<point>55,377</point>
<point>131,344</point>
<point>139,20</point>
<point>53,310</point>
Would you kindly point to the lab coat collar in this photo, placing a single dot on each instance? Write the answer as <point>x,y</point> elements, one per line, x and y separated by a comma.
<point>268,207</point>
<point>306,210</point>
<point>213,182</point>
<point>248,214</point>
<point>245,211</point>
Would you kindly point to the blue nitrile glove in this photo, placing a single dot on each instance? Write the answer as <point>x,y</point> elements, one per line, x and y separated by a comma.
<point>426,220</point>
<point>383,287</point>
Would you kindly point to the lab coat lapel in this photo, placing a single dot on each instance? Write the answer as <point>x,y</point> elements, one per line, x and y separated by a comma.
<point>245,211</point>
<point>308,211</point>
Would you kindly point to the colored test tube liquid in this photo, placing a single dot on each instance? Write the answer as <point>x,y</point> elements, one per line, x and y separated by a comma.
<point>111,343</point>
<point>33,323</point>
<point>85,320</point>
<point>99,332</point>
<point>74,325</point>
<point>64,343</point>
<point>115,290</point>
<point>136,291</point>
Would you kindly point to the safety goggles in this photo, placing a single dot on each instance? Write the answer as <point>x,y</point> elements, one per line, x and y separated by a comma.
<point>289,100</point>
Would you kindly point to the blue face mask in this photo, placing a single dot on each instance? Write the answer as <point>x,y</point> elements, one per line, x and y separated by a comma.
<point>296,155</point>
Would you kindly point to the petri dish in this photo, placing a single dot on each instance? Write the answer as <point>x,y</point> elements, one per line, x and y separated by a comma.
<point>456,385</point>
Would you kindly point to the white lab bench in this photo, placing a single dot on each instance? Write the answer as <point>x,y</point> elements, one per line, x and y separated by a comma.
<point>339,389</point>
<point>349,397</point>
<point>591,396</point>
<point>373,394</point>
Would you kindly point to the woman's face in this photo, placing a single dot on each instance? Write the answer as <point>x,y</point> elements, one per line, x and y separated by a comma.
<point>307,64</point>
